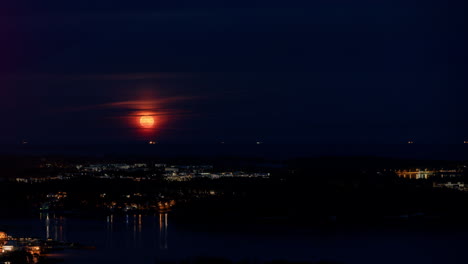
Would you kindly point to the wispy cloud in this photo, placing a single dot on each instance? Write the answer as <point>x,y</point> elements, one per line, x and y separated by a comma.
<point>158,105</point>
<point>93,77</point>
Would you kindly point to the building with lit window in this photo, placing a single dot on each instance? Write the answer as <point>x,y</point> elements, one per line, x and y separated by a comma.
<point>415,173</point>
<point>428,173</point>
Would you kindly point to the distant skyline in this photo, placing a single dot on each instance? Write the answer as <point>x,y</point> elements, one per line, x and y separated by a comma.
<point>296,72</point>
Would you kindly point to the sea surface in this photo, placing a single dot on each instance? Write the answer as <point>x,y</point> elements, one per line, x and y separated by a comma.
<point>272,151</point>
<point>139,239</point>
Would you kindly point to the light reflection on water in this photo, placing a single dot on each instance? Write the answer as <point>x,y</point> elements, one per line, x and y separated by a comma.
<point>121,237</point>
<point>163,230</point>
<point>129,226</point>
<point>140,239</point>
<point>54,226</point>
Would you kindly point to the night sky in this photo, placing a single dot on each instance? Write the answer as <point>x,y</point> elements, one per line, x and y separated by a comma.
<point>326,71</point>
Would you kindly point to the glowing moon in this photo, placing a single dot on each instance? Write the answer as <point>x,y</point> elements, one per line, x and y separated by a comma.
<point>147,121</point>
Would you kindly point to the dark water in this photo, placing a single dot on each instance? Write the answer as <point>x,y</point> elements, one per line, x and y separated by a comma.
<point>148,239</point>
<point>274,151</point>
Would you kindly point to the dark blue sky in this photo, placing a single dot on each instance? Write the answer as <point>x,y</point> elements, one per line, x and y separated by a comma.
<point>240,71</point>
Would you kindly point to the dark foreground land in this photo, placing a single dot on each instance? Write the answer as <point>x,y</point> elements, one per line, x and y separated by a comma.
<point>301,191</point>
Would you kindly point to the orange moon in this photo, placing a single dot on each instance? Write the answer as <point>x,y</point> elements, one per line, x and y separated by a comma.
<point>147,121</point>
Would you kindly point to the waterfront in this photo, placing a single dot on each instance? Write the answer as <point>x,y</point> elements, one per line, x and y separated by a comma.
<point>149,239</point>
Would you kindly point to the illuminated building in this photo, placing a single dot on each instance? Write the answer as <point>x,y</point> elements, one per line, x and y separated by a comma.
<point>34,250</point>
<point>415,173</point>
<point>3,236</point>
<point>427,173</point>
<point>172,170</point>
<point>9,245</point>
<point>456,185</point>
<point>450,173</point>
